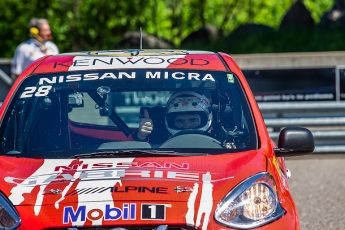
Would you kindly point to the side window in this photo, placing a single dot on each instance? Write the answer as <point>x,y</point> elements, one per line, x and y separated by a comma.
<point>9,137</point>
<point>35,124</point>
<point>17,128</point>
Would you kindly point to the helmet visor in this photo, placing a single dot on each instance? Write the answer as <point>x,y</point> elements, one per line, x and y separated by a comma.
<point>186,120</point>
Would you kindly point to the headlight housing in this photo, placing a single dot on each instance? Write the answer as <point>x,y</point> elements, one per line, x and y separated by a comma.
<point>252,203</point>
<point>9,218</point>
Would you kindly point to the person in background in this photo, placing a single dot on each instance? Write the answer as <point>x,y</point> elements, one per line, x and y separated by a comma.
<point>37,46</point>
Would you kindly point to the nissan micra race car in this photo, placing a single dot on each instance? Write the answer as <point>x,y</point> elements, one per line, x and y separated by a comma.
<point>142,139</point>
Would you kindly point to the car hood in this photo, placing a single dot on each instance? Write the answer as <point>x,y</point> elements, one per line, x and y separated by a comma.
<point>61,182</point>
<point>74,187</point>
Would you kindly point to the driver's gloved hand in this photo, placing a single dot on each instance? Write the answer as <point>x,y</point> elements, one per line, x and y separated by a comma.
<point>145,126</point>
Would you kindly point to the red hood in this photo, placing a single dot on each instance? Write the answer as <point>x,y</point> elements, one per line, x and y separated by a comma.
<point>52,181</point>
<point>97,191</point>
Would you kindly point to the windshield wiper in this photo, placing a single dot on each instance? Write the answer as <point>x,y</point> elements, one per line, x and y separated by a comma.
<point>131,153</point>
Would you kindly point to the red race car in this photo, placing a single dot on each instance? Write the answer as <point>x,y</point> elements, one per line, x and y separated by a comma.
<point>142,139</point>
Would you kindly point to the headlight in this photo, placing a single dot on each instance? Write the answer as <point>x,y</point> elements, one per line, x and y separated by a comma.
<point>253,203</point>
<point>9,218</point>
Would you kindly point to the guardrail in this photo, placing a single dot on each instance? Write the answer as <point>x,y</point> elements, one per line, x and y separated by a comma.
<point>3,75</point>
<point>7,79</point>
<point>326,120</point>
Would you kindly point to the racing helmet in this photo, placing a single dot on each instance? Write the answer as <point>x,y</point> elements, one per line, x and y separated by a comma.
<point>188,102</point>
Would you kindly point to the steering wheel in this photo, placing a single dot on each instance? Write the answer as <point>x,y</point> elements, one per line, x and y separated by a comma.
<point>189,131</point>
<point>192,138</point>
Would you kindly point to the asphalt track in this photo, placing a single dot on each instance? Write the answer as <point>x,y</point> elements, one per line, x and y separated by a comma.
<point>318,187</point>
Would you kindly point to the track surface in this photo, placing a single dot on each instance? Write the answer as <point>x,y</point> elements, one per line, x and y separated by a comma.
<point>318,187</point>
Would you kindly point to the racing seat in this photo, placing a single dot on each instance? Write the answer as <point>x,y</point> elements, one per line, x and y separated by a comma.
<point>159,133</point>
<point>225,118</point>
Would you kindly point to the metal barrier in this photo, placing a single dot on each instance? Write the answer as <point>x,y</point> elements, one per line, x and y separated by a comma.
<point>326,120</point>
<point>6,64</point>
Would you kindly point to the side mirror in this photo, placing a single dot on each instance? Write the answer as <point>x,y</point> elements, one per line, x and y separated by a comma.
<point>295,141</point>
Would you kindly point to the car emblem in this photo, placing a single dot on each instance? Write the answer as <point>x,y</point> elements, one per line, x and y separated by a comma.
<point>183,189</point>
<point>52,191</point>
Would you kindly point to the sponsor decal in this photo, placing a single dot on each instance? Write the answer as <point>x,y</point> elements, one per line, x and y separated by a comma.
<point>82,63</point>
<point>125,75</point>
<point>98,175</point>
<point>119,189</point>
<point>109,212</point>
<point>183,189</point>
<point>107,165</point>
<point>179,76</point>
<point>230,78</point>
<point>154,211</point>
<point>205,205</point>
<point>29,185</point>
<point>92,190</point>
<point>106,212</point>
<point>52,191</point>
<point>45,83</point>
<point>140,189</point>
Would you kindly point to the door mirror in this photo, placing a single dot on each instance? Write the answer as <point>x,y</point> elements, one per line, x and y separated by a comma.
<point>295,141</point>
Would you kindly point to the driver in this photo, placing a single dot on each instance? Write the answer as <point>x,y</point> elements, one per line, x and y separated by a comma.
<point>184,110</point>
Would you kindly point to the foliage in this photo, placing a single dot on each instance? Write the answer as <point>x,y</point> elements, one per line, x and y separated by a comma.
<point>100,24</point>
<point>316,40</point>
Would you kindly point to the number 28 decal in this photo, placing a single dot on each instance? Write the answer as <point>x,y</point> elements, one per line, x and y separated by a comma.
<point>36,91</point>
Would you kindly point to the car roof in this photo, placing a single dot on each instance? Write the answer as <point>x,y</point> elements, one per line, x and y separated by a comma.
<point>131,59</point>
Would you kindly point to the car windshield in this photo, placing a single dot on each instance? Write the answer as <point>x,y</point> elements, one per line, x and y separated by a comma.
<point>98,112</point>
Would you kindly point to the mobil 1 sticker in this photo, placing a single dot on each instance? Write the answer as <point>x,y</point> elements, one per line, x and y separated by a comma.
<point>154,211</point>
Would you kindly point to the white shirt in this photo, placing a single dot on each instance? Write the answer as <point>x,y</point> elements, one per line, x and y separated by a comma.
<point>29,51</point>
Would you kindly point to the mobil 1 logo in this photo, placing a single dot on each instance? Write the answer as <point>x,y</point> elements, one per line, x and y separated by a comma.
<point>154,211</point>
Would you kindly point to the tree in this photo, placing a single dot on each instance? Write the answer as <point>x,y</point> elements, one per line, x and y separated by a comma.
<point>100,24</point>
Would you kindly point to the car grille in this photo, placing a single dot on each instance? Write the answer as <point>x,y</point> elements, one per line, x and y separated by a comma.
<point>160,227</point>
